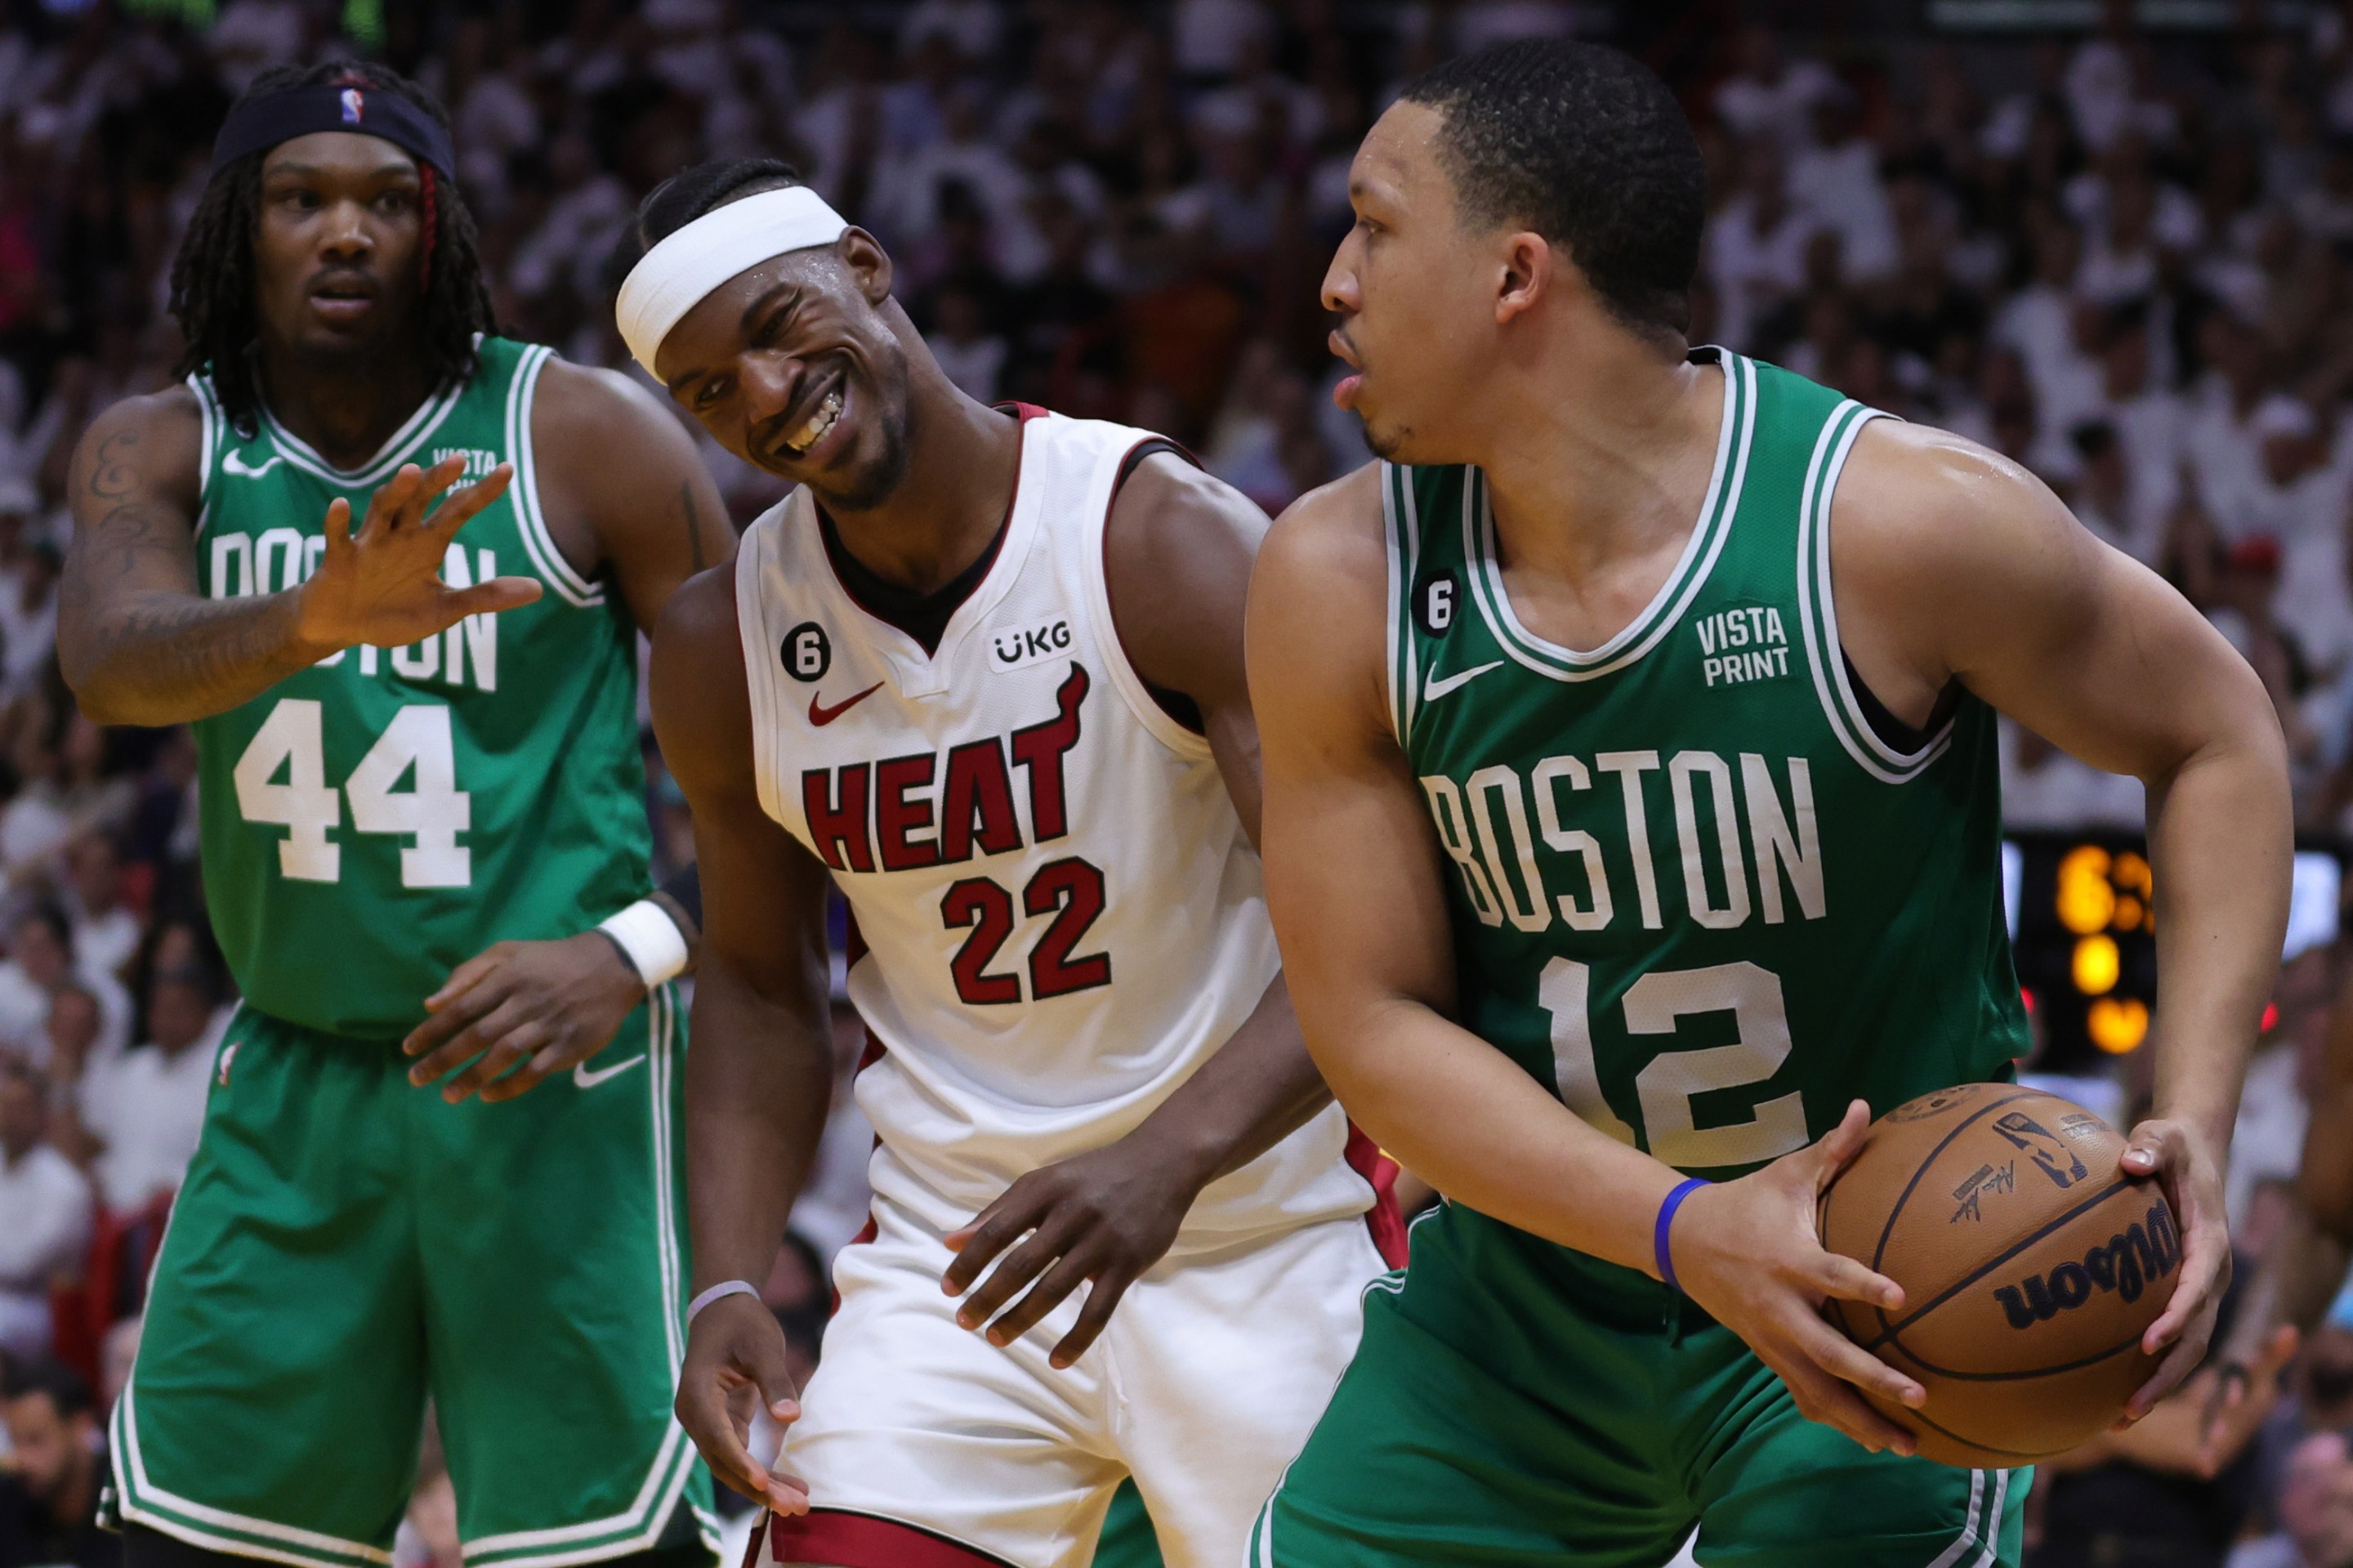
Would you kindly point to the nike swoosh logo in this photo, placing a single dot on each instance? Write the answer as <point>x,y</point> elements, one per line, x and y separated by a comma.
<point>821,714</point>
<point>232,463</point>
<point>588,1080</point>
<point>1434,688</point>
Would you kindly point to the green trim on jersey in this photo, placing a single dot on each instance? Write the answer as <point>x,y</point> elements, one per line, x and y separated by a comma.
<point>1692,889</point>
<point>375,819</point>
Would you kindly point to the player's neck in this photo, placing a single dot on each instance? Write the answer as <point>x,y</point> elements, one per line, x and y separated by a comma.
<point>1605,453</point>
<point>345,408</point>
<point>962,458</point>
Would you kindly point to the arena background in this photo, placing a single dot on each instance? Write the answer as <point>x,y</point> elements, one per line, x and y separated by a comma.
<point>2115,242</point>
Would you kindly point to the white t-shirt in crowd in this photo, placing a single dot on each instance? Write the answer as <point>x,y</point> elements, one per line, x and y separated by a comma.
<point>46,1206</point>
<point>2059,791</point>
<point>974,367</point>
<point>1841,187</point>
<point>1782,110</point>
<point>1752,265</point>
<point>148,1109</point>
<point>2267,1142</point>
<point>105,944</point>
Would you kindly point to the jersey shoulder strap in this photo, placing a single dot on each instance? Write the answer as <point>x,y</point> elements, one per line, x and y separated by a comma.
<point>1422,521</point>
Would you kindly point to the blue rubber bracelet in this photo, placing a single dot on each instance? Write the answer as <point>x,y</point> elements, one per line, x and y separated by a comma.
<point>1666,1254</point>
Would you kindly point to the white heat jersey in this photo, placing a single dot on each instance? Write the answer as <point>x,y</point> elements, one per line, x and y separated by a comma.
<point>1061,915</point>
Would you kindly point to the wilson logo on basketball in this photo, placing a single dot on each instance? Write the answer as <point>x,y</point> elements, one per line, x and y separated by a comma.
<point>2124,1265</point>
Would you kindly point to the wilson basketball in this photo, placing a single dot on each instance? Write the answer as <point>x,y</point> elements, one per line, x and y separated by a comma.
<point>2030,1265</point>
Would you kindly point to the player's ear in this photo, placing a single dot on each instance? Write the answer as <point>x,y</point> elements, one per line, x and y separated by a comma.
<point>868,263</point>
<point>1529,269</point>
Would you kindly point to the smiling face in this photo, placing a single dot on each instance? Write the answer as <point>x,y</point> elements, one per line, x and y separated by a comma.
<point>796,366</point>
<point>335,244</point>
<point>1412,287</point>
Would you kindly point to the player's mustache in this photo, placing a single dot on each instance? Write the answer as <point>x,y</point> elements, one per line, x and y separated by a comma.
<point>347,280</point>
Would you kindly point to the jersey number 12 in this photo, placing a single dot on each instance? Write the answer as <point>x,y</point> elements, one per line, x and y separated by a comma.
<point>433,809</point>
<point>1668,1082</point>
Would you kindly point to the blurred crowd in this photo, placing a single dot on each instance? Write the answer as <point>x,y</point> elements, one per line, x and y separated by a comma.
<point>2121,257</point>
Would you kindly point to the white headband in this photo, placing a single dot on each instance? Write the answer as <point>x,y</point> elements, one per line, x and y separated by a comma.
<point>680,271</point>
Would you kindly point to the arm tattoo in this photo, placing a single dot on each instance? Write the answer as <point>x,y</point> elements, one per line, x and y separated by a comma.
<point>694,523</point>
<point>110,477</point>
<point>140,643</point>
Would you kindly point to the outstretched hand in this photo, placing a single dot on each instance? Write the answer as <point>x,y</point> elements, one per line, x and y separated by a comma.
<point>1750,1253</point>
<point>382,585</point>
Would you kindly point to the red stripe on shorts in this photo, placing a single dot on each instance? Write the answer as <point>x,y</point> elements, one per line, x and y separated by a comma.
<point>861,1540</point>
<point>1388,1225</point>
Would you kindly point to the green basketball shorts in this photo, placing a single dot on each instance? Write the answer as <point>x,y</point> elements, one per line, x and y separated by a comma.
<point>1514,1404</point>
<point>1127,1539</point>
<point>346,1246</point>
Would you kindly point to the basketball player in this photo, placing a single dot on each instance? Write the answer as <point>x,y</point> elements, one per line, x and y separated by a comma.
<point>1632,819</point>
<point>984,668</point>
<point>412,745</point>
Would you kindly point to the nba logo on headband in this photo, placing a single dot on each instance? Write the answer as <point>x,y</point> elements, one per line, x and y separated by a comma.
<point>353,105</point>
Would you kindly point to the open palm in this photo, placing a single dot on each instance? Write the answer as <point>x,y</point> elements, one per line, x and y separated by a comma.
<point>382,585</point>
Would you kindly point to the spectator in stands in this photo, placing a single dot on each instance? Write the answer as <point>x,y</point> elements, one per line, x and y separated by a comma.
<point>147,1110</point>
<point>72,1032</point>
<point>105,932</point>
<point>961,340</point>
<point>40,959</point>
<point>2316,1510</point>
<point>49,1499</point>
<point>44,1212</point>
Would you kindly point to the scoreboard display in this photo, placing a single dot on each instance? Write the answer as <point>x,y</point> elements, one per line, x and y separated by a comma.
<point>2083,912</point>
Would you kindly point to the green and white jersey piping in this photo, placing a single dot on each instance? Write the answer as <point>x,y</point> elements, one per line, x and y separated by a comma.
<point>1818,610</point>
<point>1484,570</point>
<point>553,568</point>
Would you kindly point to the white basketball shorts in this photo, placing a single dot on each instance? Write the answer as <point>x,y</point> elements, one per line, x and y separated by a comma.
<point>925,1446</point>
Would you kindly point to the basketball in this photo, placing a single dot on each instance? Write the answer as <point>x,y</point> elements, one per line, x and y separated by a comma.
<point>2030,1265</point>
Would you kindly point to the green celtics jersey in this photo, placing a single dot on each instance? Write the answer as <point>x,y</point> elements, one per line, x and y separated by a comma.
<point>389,812</point>
<point>1691,886</point>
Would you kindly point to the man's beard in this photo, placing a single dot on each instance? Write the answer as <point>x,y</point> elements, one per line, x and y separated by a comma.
<point>1387,441</point>
<point>875,484</point>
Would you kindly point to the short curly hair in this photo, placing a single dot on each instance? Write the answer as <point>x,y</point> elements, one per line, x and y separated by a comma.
<point>1588,148</point>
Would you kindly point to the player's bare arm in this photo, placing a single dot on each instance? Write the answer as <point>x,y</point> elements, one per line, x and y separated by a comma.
<point>1181,544</point>
<point>1954,564</point>
<point>761,1075</point>
<point>139,644</point>
<point>628,503</point>
<point>1353,879</point>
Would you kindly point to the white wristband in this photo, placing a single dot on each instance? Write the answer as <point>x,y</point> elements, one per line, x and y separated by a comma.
<point>719,1293</point>
<point>651,939</point>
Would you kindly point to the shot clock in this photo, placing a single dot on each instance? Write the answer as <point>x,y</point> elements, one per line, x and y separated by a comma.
<point>2083,912</point>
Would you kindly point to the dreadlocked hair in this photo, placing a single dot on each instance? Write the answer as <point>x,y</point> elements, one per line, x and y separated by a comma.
<point>213,276</point>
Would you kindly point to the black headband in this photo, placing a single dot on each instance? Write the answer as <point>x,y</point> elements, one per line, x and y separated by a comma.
<point>261,123</point>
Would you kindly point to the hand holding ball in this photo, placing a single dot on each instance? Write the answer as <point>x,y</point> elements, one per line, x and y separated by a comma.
<point>2031,1264</point>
